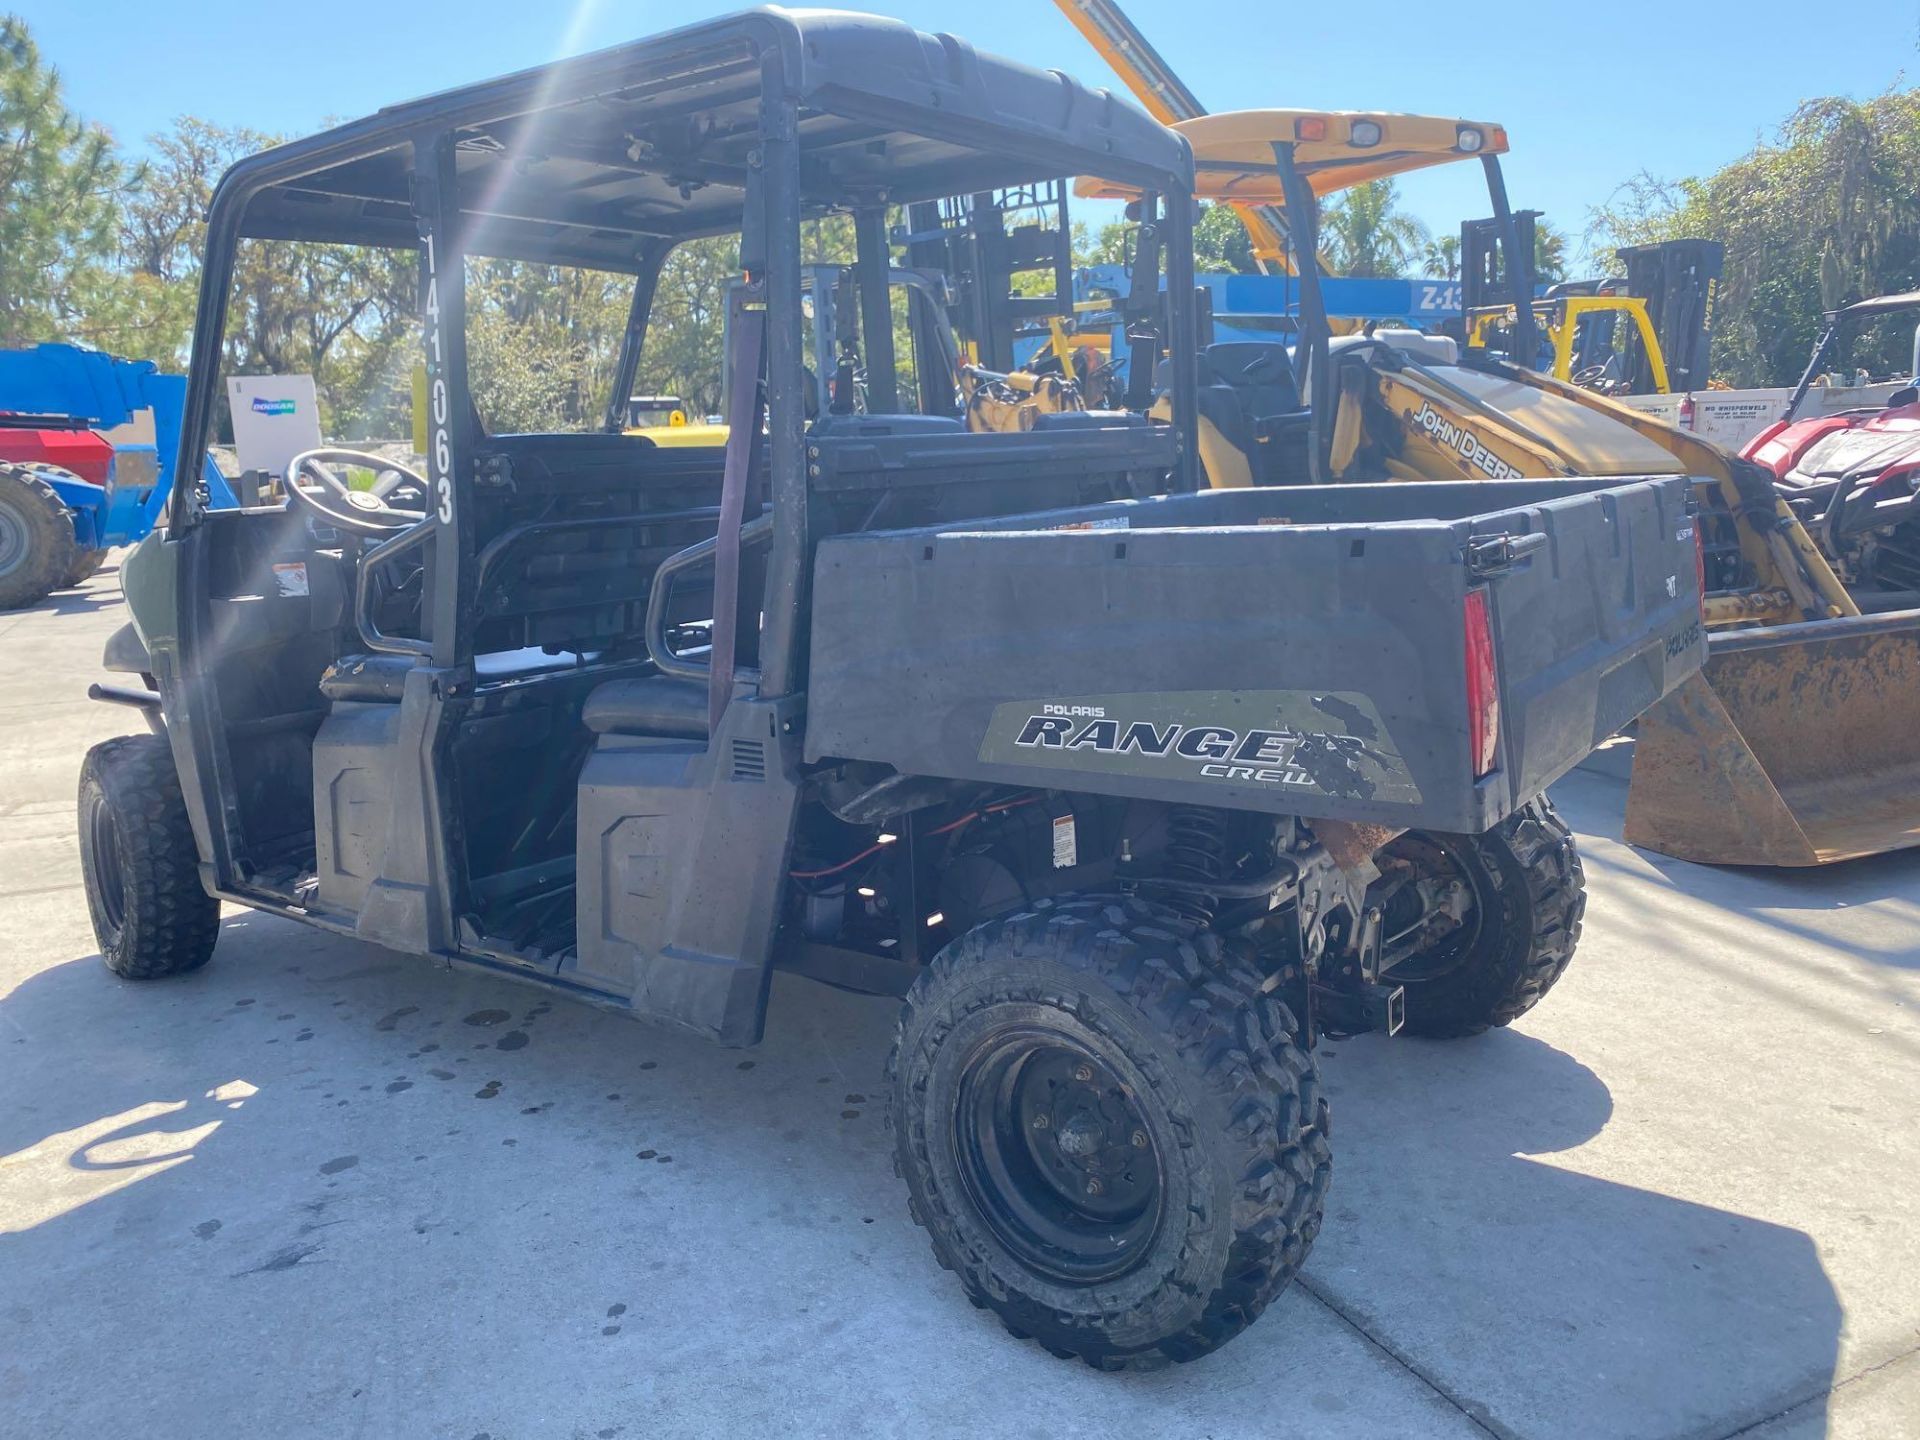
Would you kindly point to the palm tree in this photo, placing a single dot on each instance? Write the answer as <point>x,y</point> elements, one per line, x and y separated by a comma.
<point>1549,253</point>
<point>1364,236</point>
<point>1442,258</point>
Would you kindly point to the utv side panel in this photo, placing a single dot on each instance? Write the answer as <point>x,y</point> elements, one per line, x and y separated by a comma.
<point>380,845</point>
<point>681,851</point>
<point>1299,650</point>
<point>353,757</point>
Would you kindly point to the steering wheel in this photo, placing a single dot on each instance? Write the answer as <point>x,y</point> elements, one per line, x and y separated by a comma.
<point>1596,377</point>
<point>365,512</point>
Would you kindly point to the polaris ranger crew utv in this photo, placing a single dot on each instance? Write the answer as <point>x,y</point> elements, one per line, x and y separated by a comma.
<point>1130,789</point>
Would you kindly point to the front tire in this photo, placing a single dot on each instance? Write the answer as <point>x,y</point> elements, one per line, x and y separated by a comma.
<point>37,547</point>
<point>1111,1135</point>
<point>1529,895</point>
<point>151,915</point>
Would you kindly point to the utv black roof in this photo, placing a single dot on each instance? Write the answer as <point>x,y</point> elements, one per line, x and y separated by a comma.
<point>587,160</point>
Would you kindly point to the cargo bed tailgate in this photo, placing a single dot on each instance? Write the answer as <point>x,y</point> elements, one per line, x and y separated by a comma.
<point>1595,619</point>
<point>1296,650</point>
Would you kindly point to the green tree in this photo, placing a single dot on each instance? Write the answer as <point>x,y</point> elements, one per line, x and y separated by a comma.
<point>542,343</point>
<point>128,313</point>
<point>683,353</point>
<point>1221,242</point>
<point>1827,208</point>
<point>347,315</point>
<point>1440,259</point>
<point>1549,253</point>
<point>1109,245</point>
<point>1364,235</point>
<point>145,306</point>
<point>60,179</point>
<point>163,223</point>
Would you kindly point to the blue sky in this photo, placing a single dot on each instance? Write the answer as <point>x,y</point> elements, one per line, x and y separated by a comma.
<point>1675,88</point>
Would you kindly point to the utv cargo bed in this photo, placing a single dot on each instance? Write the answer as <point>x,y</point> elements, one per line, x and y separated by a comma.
<point>1313,651</point>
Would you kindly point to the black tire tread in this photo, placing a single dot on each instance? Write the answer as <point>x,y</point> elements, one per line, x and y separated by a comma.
<point>54,550</point>
<point>1241,1044</point>
<point>1533,848</point>
<point>85,564</point>
<point>171,922</point>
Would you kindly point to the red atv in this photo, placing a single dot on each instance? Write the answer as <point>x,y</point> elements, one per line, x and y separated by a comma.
<point>1853,478</point>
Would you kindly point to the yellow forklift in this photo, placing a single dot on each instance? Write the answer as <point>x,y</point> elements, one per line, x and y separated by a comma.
<point>1648,331</point>
<point>1566,319</point>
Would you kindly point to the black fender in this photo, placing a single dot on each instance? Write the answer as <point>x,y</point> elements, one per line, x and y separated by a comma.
<point>126,653</point>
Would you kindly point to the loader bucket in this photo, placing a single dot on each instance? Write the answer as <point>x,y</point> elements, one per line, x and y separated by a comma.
<point>1796,745</point>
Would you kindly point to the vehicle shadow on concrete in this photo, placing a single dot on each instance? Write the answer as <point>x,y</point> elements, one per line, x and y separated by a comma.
<point>93,595</point>
<point>80,602</point>
<point>1596,804</point>
<point>1545,1301</point>
<point>368,1195</point>
<point>1802,918</point>
<point>1813,891</point>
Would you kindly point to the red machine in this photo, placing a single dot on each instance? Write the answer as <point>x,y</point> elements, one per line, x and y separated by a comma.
<point>57,440</point>
<point>56,481</point>
<point>65,493</point>
<point>1854,481</point>
<point>1854,478</point>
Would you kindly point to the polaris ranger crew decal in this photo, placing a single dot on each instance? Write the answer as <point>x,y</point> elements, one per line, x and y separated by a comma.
<point>1328,744</point>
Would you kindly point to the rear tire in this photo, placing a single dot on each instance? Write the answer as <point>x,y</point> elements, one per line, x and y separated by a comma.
<point>85,564</point>
<point>1529,896</point>
<point>1110,1134</point>
<point>37,547</point>
<point>150,913</point>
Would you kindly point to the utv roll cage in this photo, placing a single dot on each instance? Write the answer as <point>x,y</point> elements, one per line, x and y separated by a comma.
<point>752,122</point>
<point>1837,325</point>
<point>546,565</point>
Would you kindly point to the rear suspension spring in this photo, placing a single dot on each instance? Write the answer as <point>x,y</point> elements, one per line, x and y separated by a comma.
<point>1196,852</point>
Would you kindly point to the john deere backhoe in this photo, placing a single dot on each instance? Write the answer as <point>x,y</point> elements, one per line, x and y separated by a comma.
<point>1798,744</point>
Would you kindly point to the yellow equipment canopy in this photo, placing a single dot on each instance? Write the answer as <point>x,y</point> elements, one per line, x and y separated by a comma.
<point>1334,149</point>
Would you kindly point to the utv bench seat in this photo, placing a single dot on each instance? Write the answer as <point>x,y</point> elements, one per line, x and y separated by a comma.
<point>649,705</point>
<point>377,678</point>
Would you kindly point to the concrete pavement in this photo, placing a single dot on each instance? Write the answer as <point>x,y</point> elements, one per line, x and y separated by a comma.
<point>320,1189</point>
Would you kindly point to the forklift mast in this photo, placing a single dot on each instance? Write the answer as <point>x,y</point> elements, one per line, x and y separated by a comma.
<point>1483,278</point>
<point>983,243</point>
<point>1680,281</point>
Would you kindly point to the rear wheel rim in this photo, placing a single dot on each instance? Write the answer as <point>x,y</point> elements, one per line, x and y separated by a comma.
<point>109,869</point>
<point>1435,859</point>
<point>14,540</point>
<point>1057,1158</point>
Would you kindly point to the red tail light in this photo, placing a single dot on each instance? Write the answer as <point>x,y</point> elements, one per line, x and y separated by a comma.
<point>1483,686</point>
